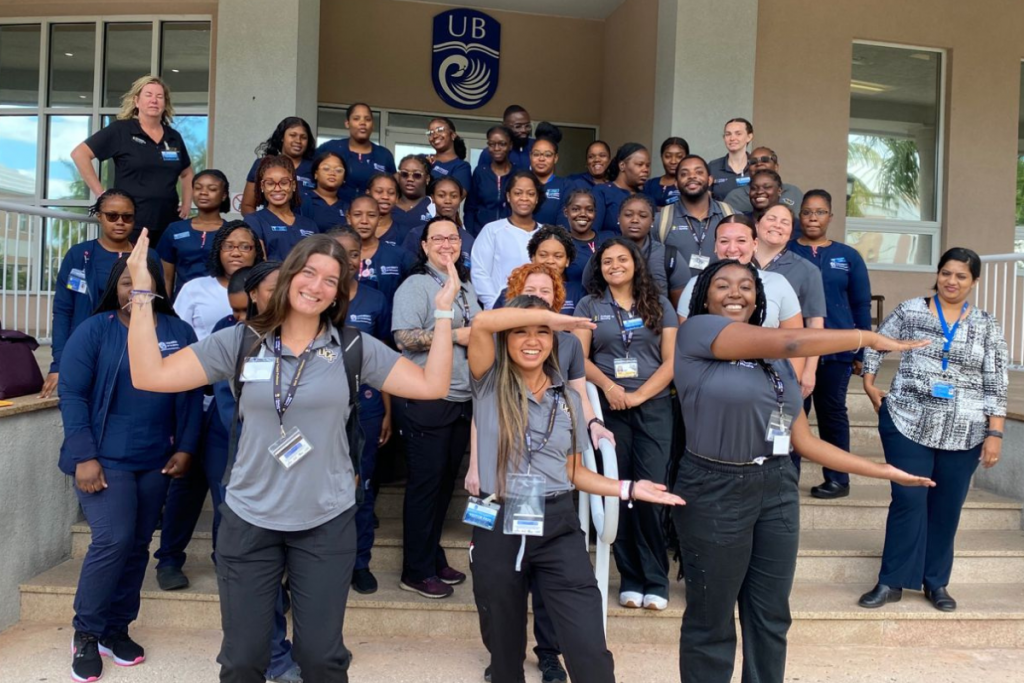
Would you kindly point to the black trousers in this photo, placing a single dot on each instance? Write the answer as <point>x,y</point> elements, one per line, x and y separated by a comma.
<point>832,380</point>
<point>643,437</point>
<point>739,532</point>
<point>436,436</point>
<point>250,565</point>
<point>558,565</point>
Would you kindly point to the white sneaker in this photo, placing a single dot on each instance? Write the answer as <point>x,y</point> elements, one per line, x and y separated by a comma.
<point>654,602</point>
<point>631,599</point>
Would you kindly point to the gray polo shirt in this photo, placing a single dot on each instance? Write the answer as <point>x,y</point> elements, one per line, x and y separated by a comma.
<point>669,270</point>
<point>690,235</point>
<point>606,343</point>
<point>548,460</point>
<point>726,404</point>
<point>321,485</point>
<point>414,310</point>
<point>782,300</point>
<point>804,278</point>
<point>739,199</point>
<point>571,360</point>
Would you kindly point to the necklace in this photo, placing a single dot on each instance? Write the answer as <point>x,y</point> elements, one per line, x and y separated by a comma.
<point>543,385</point>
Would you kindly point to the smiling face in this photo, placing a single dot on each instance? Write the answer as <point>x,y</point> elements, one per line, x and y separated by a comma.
<point>447,198</point>
<point>363,215</point>
<point>733,293</point>
<point>636,169</point>
<point>315,287</point>
<point>519,124</point>
<point>352,251</point>
<point>330,174</point>
<point>954,282</point>
<point>385,191</point>
<point>736,137</point>
<point>543,158</point>
<point>261,295</point>
<point>693,179</point>
<point>551,253</point>
<point>764,192</point>
<point>635,220</point>
<point>296,141</point>
<point>522,197</point>
<point>442,244</point>
<point>815,217</point>
<point>208,193</point>
<point>278,187</point>
<point>529,347</point>
<point>598,158</point>
<point>581,212</point>
<point>440,135</point>
<point>617,265</point>
<point>237,251</point>
<point>540,286</point>
<point>735,241</point>
<point>152,100</point>
<point>413,179</point>
<point>776,226</point>
<point>115,227</point>
<point>360,124</point>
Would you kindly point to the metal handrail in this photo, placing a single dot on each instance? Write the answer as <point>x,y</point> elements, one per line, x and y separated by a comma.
<point>998,294</point>
<point>603,510</point>
<point>43,212</point>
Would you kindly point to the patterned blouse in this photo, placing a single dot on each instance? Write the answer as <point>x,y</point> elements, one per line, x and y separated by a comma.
<point>977,368</point>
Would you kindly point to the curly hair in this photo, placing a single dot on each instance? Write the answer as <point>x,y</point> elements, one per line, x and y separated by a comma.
<point>213,265</point>
<point>552,232</point>
<point>699,298</point>
<point>517,280</point>
<point>272,146</point>
<point>646,296</point>
<point>284,163</point>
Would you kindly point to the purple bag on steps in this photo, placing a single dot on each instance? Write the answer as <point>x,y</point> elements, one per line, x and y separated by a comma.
<point>19,371</point>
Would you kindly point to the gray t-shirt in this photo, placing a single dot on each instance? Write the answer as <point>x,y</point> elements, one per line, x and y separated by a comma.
<point>669,270</point>
<point>414,310</point>
<point>782,300</point>
<point>321,485</point>
<point>606,343</point>
<point>805,279</point>
<point>549,459</point>
<point>687,234</point>
<point>571,360</point>
<point>726,404</point>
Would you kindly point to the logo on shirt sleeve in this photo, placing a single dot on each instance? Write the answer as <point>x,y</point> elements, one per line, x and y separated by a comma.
<point>840,263</point>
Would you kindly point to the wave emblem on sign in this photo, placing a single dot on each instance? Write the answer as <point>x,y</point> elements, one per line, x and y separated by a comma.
<point>465,57</point>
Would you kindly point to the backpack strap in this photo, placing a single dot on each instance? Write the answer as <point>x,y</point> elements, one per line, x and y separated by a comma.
<point>726,209</point>
<point>665,224</point>
<point>249,342</point>
<point>352,357</point>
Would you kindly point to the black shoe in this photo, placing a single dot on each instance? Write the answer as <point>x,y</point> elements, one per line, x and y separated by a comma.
<point>363,581</point>
<point>124,650</point>
<point>171,578</point>
<point>487,674</point>
<point>880,595</point>
<point>551,669</point>
<point>941,599</point>
<point>830,490</point>
<point>376,521</point>
<point>86,663</point>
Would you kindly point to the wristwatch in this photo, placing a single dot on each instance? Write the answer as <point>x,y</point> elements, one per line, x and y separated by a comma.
<point>449,314</point>
<point>994,432</point>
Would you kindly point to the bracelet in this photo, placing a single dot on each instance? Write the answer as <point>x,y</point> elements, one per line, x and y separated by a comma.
<point>142,297</point>
<point>624,486</point>
<point>994,432</point>
<point>632,489</point>
<point>592,421</point>
<point>610,387</point>
<point>860,340</point>
<point>439,314</point>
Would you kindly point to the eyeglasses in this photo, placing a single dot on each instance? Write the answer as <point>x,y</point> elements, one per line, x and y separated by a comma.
<point>231,246</point>
<point>112,216</point>
<point>521,126</point>
<point>818,213</point>
<point>414,175</point>
<point>497,144</point>
<point>436,131</point>
<point>542,155</point>
<point>762,160</point>
<point>438,240</point>
<point>332,169</point>
<point>284,184</point>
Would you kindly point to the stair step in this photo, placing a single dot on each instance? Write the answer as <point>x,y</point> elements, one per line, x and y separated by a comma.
<point>990,615</point>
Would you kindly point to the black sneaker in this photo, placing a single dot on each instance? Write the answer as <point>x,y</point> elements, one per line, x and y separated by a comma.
<point>551,669</point>
<point>124,650</point>
<point>171,578</point>
<point>86,663</point>
<point>363,581</point>
<point>487,674</point>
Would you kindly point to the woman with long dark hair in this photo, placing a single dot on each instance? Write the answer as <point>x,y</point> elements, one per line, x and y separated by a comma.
<point>629,170</point>
<point>291,489</point>
<point>184,247</point>
<point>294,139</point>
<point>122,445</point>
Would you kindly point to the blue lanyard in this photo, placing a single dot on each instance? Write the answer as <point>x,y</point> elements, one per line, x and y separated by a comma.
<point>948,332</point>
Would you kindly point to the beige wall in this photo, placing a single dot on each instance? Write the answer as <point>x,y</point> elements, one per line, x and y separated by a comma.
<point>49,8</point>
<point>801,105</point>
<point>630,48</point>
<point>378,51</point>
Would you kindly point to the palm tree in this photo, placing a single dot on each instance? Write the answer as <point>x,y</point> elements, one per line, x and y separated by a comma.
<point>896,169</point>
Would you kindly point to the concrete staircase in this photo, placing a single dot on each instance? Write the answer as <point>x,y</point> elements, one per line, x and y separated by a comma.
<point>840,550</point>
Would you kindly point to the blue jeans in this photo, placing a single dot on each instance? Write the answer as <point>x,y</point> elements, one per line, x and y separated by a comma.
<point>122,518</point>
<point>922,522</point>
<point>367,468</point>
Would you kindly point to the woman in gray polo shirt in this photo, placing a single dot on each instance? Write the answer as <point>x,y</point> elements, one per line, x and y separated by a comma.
<point>291,493</point>
<point>740,528</point>
<point>518,390</point>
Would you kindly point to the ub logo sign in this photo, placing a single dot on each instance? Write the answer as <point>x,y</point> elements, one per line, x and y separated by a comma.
<point>466,47</point>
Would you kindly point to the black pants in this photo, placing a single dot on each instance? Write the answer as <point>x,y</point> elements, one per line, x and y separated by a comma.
<point>643,437</point>
<point>832,380</point>
<point>559,566</point>
<point>437,436</point>
<point>250,565</point>
<point>739,532</point>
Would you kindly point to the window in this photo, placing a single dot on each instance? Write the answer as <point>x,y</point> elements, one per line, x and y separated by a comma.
<point>894,155</point>
<point>62,81</point>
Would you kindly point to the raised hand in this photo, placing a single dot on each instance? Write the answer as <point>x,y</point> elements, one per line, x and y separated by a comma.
<point>905,479</point>
<point>446,296</point>
<point>137,266</point>
<point>568,323</point>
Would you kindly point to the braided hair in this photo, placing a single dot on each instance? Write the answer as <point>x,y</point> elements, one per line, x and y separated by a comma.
<point>107,194</point>
<point>699,298</point>
<point>213,265</point>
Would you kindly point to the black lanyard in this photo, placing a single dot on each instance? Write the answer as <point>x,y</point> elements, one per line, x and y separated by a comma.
<point>463,300</point>
<point>775,258</point>
<point>530,450</point>
<point>703,232</point>
<point>776,382</point>
<point>279,404</point>
<point>627,335</point>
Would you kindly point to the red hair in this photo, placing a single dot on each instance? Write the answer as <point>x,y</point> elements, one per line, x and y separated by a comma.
<point>517,281</point>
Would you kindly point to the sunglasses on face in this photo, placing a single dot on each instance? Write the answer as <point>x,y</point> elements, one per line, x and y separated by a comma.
<point>761,160</point>
<point>112,216</point>
<point>411,175</point>
<point>436,131</point>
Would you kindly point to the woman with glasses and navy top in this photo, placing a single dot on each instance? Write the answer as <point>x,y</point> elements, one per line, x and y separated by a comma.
<point>322,204</point>
<point>580,209</point>
<point>486,201</point>
<point>363,157</point>
<point>84,271</point>
<point>599,157</point>
<point>184,247</point>
<point>944,413</point>
<point>449,158</point>
<point>629,170</point>
<point>293,139</point>
<point>123,446</point>
<point>382,265</point>
<point>412,208</point>
<point>663,190</point>
<point>277,225</point>
<point>150,157</point>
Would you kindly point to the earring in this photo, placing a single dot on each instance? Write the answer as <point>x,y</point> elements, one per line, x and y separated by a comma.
<point>334,303</point>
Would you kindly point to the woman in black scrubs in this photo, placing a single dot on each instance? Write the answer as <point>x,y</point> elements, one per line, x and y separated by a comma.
<point>739,530</point>
<point>149,157</point>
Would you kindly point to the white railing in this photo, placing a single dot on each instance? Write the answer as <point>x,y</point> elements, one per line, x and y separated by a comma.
<point>603,510</point>
<point>33,241</point>
<point>1001,293</point>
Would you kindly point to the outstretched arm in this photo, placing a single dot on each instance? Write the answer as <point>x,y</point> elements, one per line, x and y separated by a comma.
<point>739,341</point>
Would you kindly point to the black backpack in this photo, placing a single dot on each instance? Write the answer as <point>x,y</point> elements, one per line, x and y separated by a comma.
<point>351,356</point>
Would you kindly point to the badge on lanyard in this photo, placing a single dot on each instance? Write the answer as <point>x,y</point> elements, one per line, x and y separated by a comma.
<point>699,261</point>
<point>481,513</point>
<point>525,500</point>
<point>779,422</point>
<point>292,446</point>
<point>943,387</point>
<point>627,368</point>
<point>257,370</point>
<point>76,281</point>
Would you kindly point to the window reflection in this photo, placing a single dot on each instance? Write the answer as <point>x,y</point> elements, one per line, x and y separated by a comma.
<point>127,55</point>
<point>72,64</point>
<point>18,146</point>
<point>62,178</point>
<point>19,66</point>
<point>185,61</point>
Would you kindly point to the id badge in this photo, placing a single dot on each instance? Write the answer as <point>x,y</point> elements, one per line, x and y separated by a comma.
<point>257,369</point>
<point>169,154</point>
<point>290,448</point>
<point>699,261</point>
<point>778,432</point>
<point>943,390</point>
<point>524,505</point>
<point>633,324</point>
<point>76,281</point>
<point>626,368</point>
<point>481,513</point>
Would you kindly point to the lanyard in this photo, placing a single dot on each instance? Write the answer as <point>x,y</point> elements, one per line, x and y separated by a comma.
<point>530,450</point>
<point>463,301</point>
<point>279,404</point>
<point>775,258</point>
<point>703,232</point>
<point>776,382</point>
<point>948,332</point>
<point>627,335</point>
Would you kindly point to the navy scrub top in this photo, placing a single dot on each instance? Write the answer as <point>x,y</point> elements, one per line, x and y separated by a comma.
<point>326,216</point>
<point>386,269</point>
<point>486,201</point>
<point>608,198</point>
<point>661,195</point>
<point>416,217</point>
<point>370,312</point>
<point>187,249</point>
<point>556,192</point>
<point>584,250</point>
<point>278,237</point>
<point>361,167</point>
<point>459,169</point>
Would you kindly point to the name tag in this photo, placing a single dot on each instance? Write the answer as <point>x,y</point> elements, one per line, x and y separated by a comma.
<point>743,181</point>
<point>379,168</point>
<point>181,235</point>
<point>76,281</point>
<point>626,368</point>
<point>169,154</point>
<point>633,323</point>
<point>257,369</point>
<point>481,513</point>
<point>290,448</point>
<point>278,228</point>
<point>944,390</point>
<point>699,261</point>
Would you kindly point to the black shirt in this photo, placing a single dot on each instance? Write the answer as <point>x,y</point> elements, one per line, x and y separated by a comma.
<point>143,168</point>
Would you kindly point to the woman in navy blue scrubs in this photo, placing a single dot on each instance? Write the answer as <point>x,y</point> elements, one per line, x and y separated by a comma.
<point>184,247</point>
<point>322,204</point>
<point>363,157</point>
<point>278,225</point>
<point>412,208</point>
<point>486,201</point>
<point>662,190</point>
<point>382,265</point>
<point>292,138</point>
<point>543,162</point>
<point>384,190</point>
<point>449,159</point>
<point>580,210</point>
<point>627,174</point>
<point>599,157</point>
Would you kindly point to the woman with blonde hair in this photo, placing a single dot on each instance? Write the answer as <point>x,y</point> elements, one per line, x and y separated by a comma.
<point>149,157</point>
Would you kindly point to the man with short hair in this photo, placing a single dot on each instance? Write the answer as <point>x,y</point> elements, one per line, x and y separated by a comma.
<point>764,159</point>
<point>517,120</point>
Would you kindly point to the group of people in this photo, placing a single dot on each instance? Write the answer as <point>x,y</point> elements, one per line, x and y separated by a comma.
<point>264,362</point>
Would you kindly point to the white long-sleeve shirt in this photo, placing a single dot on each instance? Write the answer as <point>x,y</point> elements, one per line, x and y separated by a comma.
<point>499,249</point>
<point>203,303</point>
